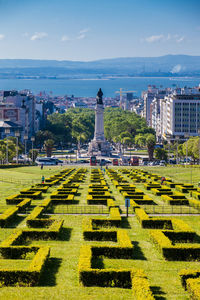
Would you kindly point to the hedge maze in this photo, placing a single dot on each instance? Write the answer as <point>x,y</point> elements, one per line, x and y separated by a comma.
<point>126,256</point>
<point>104,229</point>
<point>37,227</point>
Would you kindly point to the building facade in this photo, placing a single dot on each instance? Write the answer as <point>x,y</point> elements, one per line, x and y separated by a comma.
<point>180,114</point>
<point>19,107</point>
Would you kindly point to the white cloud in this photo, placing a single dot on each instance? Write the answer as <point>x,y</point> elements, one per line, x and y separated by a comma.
<point>84,30</point>
<point>38,36</point>
<point>176,69</point>
<point>2,36</point>
<point>65,38</point>
<point>180,39</point>
<point>168,37</point>
<point>164,38</point>
<point>154,38</point>
<point>25,34</point>
<point>81,36</point>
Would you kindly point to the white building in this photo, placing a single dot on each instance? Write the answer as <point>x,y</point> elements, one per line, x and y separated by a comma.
<point>180,114</point>
<point>148,96</point>
<point>155,117</point>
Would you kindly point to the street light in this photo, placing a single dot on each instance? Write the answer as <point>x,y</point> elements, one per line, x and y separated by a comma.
<point>7,131</point>
<point>177,139</point>
<point>25,144</point>
<point>17,135</point>
<point>199,144</point>
<point>32,140</point>
<point>186,135</point>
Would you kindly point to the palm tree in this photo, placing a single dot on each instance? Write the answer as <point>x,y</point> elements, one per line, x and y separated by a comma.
<point>150,143</point>
<point>48,146</point>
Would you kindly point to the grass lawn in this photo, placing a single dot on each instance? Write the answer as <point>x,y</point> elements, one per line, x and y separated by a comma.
<point>16,179</point>
<point>182,173</point>
<point>60,277</point>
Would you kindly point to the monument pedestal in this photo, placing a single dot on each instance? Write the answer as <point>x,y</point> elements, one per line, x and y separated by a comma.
<point>99,146</point>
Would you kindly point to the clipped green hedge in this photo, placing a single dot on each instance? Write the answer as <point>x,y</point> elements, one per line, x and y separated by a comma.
<point>195,194</point>
<point>11,166</point>
<point>188,273</point>
<point>29,277</point>
<point>140,286</point>
<point>150,222</point>
<point>8,215</point>
<point>193,287</point>
<point>173,252</point>
<point>24,204</point>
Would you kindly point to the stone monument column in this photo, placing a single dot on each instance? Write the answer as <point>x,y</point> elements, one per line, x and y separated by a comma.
<point>99,145</point>
<point>99,122</point>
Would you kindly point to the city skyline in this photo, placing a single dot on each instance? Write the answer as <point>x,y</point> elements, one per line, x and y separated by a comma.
<point>77,30</point>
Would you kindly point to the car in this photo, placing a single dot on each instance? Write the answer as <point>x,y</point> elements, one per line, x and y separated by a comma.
<point>163,161</point>
<point>83,161</point>
<point>107,161</point>
<point>70,151</point>
<point>48,161</point>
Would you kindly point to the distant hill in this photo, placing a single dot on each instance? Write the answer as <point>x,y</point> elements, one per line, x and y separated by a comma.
<point>168,65</point>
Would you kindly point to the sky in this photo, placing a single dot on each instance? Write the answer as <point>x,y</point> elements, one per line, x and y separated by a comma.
<point>86,30</point>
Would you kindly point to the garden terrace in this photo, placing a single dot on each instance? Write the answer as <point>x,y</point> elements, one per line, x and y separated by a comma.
<point>93,250</point>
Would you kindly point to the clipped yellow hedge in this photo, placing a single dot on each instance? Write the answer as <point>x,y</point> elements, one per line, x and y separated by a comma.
<point>140,286</point>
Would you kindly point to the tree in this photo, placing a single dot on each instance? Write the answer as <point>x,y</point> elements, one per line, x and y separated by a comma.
<point>33,154</point>
<point>48,145</point>
<point>196,148</point>
<point>191,147</point>
<point>42,136</point>
<point>117,121</point>
<point>123,138</point>
<point>161,154</point>
<point>117,142</point>
<point>2,151</point>
<point>140,140</point>
<point>10,144</point>
<point>180,150</point>
<point>150,143</point>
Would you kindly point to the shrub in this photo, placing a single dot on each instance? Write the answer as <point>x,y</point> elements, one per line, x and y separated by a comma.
<point>186,274</point>
<point>29,277</point>
<point>180,252</point>
<point>23,204</point>
<point>8,215</point>
<point>140,286</point>
<point>193,287</point>
<point>149,222</point>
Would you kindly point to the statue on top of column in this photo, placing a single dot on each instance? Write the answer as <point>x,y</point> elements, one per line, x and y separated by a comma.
<point>99,97</point>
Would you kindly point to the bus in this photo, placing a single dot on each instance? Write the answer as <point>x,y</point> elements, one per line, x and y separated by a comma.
<point>48,161</point>
<point>93,161</point>
<point>134,161</point>
<point>115,162</point>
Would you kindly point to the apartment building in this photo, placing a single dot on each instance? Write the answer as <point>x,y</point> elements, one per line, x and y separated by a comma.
<point>148,97</point>
<point>19,107</point>
<point>180,114</point>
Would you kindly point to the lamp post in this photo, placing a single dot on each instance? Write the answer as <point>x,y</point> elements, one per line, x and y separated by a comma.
<point>17,135</point>
<point>7,131</point>
<point>187,135</point>
<point>25,144</point>
<point>177,139</point>
<point>199,144</point>
<point>32,140</point>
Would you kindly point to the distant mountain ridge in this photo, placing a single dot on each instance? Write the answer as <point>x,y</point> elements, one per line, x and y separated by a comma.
<point>182,65</point>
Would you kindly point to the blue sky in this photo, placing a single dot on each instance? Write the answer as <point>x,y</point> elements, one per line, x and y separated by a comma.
<point>93,29</point>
